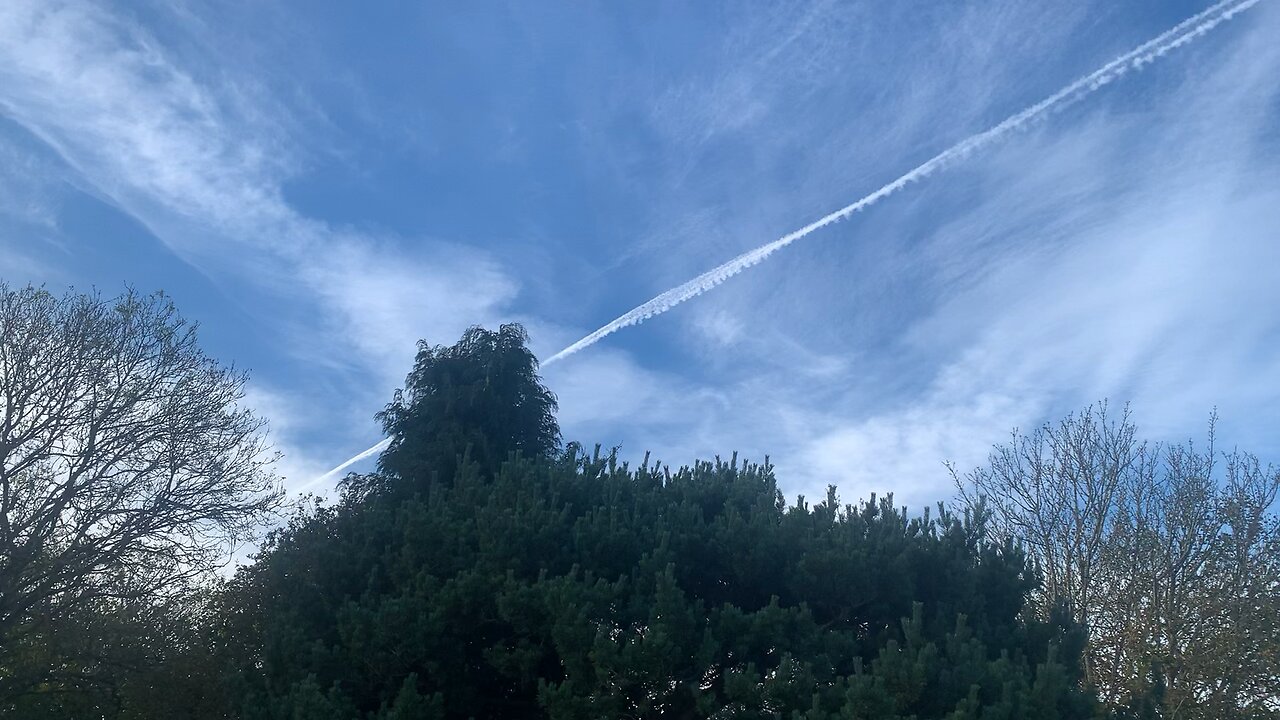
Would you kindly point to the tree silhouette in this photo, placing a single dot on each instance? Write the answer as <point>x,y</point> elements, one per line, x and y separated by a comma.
<point>528,583</point>
<point>480,398</point>
<point>1166,552</point>
<point>128,469</point>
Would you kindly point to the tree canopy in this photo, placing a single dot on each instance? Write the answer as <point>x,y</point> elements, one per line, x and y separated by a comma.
<point>127,470</point>
<point>579,588</point>
<point>1169,554</point>
<point>485,571</point>
<point>494,577</point>
<point>480,397</point>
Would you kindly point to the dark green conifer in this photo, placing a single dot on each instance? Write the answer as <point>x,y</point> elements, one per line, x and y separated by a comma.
<point>573,586</point>
<point>480,397</point>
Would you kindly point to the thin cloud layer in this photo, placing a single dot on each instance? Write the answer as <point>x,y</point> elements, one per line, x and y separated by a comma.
<point>204,177</point>
<point>1181,34</point>
<point>413,175</point>
<point>1129,263</point>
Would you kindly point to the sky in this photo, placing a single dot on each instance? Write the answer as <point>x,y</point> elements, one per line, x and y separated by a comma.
<point>322,184</point>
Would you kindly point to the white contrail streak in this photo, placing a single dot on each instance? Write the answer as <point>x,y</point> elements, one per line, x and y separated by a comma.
<point>1171,39</point>
<point>367,453</point>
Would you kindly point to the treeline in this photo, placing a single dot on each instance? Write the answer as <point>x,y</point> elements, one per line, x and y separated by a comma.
<point>1168,554</point>
<point>488,570</point>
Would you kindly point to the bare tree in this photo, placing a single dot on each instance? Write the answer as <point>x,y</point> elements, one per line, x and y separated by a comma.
<point>127,466</point>
<point>1167,554</point>
<point>1057,491</point>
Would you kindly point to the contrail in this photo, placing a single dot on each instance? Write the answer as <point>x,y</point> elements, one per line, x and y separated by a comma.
<point>1171,39</point>
<point>367,453</point>
<point>1177,36</point>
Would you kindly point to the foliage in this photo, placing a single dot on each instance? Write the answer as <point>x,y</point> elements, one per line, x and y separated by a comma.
<point>133,660</point>
<point>480,397</point>
<point>567,586</point>
<point>582,589</point>
<point>1168,554</point>
<point>127,469</point>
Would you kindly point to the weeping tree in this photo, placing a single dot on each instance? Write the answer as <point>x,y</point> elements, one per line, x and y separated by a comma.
<point>128,470</point>
<point>480,397</point>
<point>1168,554</point>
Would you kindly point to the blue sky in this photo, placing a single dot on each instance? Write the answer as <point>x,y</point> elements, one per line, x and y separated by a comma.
<point>322,184</point>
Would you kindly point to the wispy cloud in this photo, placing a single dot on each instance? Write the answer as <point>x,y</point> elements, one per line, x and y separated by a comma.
<point>1123,251</point>
<point>203,170</point>
<point>1148,52</point>
<point>1131,262</point>
<point>25,196</point>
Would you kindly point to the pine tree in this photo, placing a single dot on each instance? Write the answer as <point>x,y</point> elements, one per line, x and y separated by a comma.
<point>573,586</point>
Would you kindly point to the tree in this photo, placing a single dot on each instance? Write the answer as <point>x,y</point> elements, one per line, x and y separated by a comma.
<point>573,586</point>
<point>480,397</point>
<point>127,468</point>
<point>1167,554</point>
<point>1056,491</point>
<point>134,660</point>
<point>580,589</point>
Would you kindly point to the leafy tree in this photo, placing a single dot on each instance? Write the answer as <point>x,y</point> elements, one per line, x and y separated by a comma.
<point>127,468</point>
<point>134,660</point>
<point>572,586</point>
<point>480,397</point>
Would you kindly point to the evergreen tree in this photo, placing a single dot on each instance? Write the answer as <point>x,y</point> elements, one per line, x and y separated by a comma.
<point>480,397</point>
<point>571,586</point>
